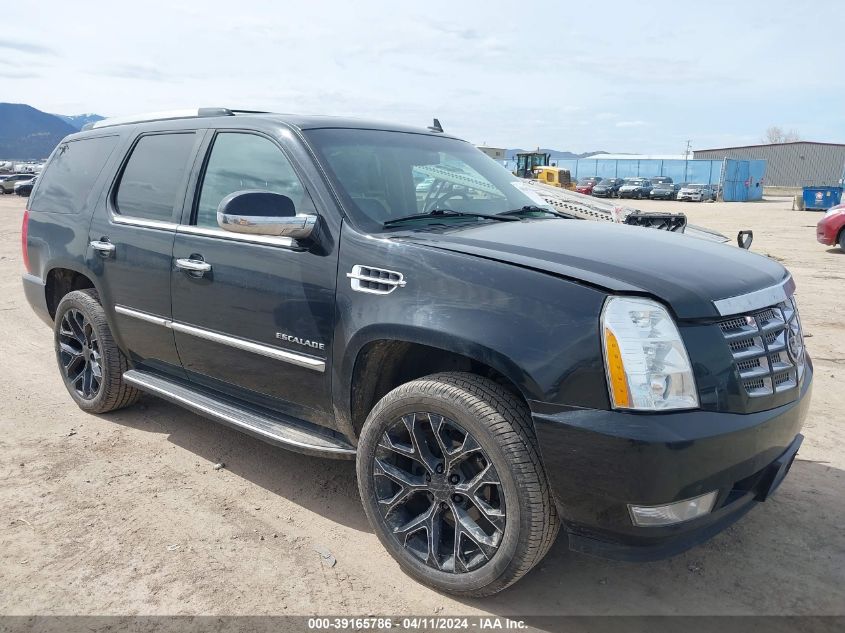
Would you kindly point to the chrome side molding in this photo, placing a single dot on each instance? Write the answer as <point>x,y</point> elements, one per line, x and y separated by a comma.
<point>300,360</point>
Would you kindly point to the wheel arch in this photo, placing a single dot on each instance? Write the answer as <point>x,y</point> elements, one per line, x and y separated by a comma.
<point>62,278</point>
<point>378,361</point>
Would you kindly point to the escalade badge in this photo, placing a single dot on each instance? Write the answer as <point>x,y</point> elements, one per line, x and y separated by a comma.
<point>300,341</point>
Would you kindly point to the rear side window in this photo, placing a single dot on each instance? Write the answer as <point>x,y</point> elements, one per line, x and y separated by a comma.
<point>153,182</point>
<point>67,181</point>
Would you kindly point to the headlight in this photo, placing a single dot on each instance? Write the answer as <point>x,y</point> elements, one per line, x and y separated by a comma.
<point>645,359</point>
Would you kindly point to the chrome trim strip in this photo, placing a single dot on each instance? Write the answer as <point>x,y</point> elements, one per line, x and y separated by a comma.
<point>271,352</point>
<point>269,240</point>
<point>143,223</point>
<point>756,300</point>
<point>142,316</point>
<point>300,360</point>
<point>138,381</point>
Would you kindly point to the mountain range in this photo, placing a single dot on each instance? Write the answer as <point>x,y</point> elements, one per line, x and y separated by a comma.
<point>554,154</point>
<point>30,134</point>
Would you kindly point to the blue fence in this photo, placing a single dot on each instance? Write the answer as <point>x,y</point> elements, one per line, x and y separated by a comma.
<point>698,171</point>
<point>743,180</point>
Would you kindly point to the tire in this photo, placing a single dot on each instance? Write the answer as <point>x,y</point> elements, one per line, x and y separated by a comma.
<point>80,323</point>
<point>842,240</point>
<point>485,434</point>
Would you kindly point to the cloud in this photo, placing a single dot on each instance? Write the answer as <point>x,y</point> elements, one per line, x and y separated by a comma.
<point>134,71</point>
<point>18,74</point>
<point>26,47</point>
<point>637,123</point>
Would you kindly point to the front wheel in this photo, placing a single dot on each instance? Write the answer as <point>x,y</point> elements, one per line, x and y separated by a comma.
<point>451,481</point>
<point>90,362</point>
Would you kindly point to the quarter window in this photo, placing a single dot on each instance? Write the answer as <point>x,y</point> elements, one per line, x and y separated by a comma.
<point>153,182</point>
<point>240,162</point>
<point>70,175</point>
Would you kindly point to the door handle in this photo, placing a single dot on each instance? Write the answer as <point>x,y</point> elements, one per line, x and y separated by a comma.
<point>196,267</point>
<point>103,247</point>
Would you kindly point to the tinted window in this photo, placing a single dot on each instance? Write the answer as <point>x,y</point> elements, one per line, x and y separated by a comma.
<point>68,178</point>
<point>153,181</point>
<point>245,161</point>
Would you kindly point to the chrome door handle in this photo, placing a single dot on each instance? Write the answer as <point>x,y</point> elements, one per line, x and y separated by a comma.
<point>193,266</point>
<point>104,248</point>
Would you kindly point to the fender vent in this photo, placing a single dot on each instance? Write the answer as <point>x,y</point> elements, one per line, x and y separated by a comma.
<point>375,280</point>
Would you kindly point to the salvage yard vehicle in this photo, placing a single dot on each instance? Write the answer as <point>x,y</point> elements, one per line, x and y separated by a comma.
<point>608,188</point>
<point>664,191</point>
<point>695,193</point>
<point>635,188</point>
<point>7,185</point>
<point>831,228</point>
<point>497,368</point>
<point>585,185</point>
<point>24,187</point>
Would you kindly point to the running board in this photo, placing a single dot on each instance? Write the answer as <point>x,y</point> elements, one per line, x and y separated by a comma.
<point>272,428</point>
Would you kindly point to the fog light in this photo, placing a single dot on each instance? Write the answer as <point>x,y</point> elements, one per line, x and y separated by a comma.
<point>678,512</point>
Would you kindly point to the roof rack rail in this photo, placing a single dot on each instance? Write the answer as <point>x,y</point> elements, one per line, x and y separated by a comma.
<point>164,115</point>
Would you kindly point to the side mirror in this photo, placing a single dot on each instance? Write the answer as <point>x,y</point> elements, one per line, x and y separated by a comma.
<point>263,213</point>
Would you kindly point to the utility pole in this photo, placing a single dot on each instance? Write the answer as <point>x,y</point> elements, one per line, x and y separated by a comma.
<point>689,149</point>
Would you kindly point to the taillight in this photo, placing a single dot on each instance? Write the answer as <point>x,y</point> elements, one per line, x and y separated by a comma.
<point>24,232</point>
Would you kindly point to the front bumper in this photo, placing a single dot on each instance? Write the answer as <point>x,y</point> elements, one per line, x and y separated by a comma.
<point>599,462</point>
<point>691,197</point>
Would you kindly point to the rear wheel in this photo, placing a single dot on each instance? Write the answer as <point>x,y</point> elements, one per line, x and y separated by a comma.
<point>90,362</point>
<point>452,483</point>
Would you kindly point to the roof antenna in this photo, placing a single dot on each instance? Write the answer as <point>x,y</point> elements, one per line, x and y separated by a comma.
<point>436,127</point>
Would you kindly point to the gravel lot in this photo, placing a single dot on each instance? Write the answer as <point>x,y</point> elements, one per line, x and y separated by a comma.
<point>125,513</point>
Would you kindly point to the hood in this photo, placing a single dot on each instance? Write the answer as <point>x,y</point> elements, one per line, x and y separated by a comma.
<point>686,273</point>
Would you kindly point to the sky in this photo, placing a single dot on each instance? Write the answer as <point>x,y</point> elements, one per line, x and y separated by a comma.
<point>639,77</point>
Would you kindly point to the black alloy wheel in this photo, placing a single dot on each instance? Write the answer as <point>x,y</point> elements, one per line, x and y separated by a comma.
<point>439,493</point>
<point>79,354</point>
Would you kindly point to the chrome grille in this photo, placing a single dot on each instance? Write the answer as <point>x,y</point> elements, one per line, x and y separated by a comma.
<point>767,347</point>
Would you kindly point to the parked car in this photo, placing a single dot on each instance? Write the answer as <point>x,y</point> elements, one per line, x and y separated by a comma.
<point>831,228</point>
<point>694,193</point>
<point>7,185</point>
<point>414,336</point>
<point>24,187</point>
<point>585,185</point>
<point>635,188</point>
<point>664,191</point>
<point>608,188</point>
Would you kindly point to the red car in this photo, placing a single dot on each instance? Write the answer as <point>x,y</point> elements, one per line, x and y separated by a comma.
<point>831,228</point>
<point>585,185</point>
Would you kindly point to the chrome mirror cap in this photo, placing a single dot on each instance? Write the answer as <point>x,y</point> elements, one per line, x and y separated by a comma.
<point>298,227</point>
<point>259,212</point>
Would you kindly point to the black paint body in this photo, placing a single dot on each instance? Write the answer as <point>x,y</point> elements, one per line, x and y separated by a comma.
<point>523,298</point>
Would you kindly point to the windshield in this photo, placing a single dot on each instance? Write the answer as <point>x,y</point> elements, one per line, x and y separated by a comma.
<point>588,181</point>
<point>634,183</point>
<point>382,176</point>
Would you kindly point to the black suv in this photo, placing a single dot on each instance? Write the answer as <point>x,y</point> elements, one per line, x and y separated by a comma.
<point>498,370</point>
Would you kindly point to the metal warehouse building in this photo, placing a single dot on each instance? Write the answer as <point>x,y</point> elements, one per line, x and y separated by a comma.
<point>798,164</point>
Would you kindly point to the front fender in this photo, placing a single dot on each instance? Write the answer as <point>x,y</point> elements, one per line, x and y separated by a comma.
<point>539,330</point>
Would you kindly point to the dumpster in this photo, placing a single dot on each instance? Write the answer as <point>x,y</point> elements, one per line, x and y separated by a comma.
<point>822,198</point>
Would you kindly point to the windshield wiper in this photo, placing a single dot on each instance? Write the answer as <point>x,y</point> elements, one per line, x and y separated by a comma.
<point>530,208</point>
<point>447,213</point>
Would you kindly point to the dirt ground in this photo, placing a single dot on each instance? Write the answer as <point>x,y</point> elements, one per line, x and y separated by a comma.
<point>125,513</point>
